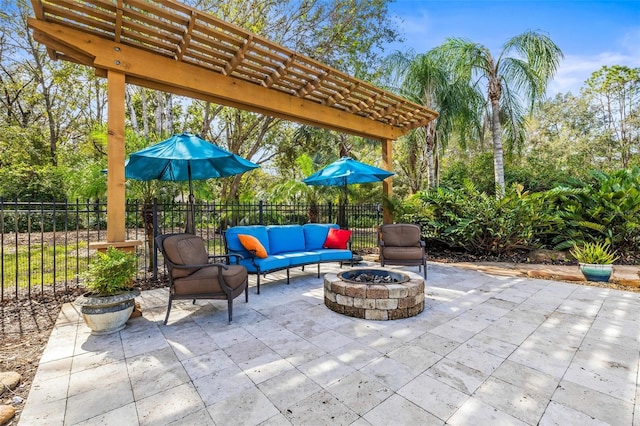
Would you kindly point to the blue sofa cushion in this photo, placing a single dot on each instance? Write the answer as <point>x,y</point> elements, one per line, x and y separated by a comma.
<point>285,238</point>
<point>268,263</point>
<point>258,231</point>
<point>315,234</point>
<point>334,254</point>
<point>302,257</point>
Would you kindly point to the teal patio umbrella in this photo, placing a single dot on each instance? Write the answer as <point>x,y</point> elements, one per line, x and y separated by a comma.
<point>185,157</point>
<point>347,171</point>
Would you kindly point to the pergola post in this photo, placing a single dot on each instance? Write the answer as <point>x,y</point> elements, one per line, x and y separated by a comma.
<point>116,201</point>
<point>387,184</point>
<point>115,157</point>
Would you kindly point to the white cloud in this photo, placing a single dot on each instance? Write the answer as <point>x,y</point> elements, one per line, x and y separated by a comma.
<point>576,69</point>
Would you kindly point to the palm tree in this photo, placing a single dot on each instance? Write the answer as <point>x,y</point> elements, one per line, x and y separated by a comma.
<point>424,80</point>
<point>506,78</point>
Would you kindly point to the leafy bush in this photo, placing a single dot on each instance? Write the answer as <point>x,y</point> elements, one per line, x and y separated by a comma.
<point>480,223</point>
<point>598,253</point>
<point>605,208</point>
<point>110,272</point>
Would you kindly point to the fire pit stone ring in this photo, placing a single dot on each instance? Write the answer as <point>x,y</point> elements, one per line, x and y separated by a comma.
<point>390,295</point>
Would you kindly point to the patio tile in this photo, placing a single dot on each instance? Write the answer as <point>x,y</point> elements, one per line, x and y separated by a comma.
<point>397,410</point>
<point>474,411</point>
<point>98,400</point>
<point>277,420</point>
<point>451,332</point>
<point>320,408</point>
<point>199,418</point>
<point>548,360</point>
<point>88,343</point>
<point>265,366</point>
<point>360,392</point>
<point>141,341</point>
<point>493,346</point>
<point>458,376</point>
<point>222,384</point>
<point>206,364</point>
<point>53,369</point>
<point>288,388</point>
<point>434,396</point>
<point>155,372</point>
<point>594,404</point>
<point>41,413</point>
<point>169,406</point>
<point>326,370</point>
<point>389,371</point>
<point>558,414</point>
<point>330,340</point>
<point>356,355</point>
<point>415,357</point>
<point>604,378</point>
<point>436,344</point>
<point>531,380</point>
<point>509,331</point>
<point>512,400</point>
<point>189,341</point>
<point>228,336</point>
<point>247,350</point>
<point>475,358</point>
<point>65,336</point>
<point>299,352</point>
<point>246,408</point>
<point>126,415</point>
<point>49,390</point>
<point>85,380</point>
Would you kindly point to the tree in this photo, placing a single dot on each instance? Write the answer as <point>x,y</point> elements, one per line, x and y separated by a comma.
<point>506,79</point>
<point>427,81</point>
<point>615,94</point>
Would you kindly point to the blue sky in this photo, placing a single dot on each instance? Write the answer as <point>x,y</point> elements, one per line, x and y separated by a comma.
<point>589,33</point>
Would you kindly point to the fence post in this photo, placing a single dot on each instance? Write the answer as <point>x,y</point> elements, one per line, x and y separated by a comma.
<point>155,234</point>
<point>260,213</point>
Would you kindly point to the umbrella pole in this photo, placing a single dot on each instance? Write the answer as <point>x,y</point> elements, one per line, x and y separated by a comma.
<point>190,225</point>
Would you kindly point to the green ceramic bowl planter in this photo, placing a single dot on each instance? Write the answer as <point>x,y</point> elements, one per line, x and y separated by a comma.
<point>596,260</point>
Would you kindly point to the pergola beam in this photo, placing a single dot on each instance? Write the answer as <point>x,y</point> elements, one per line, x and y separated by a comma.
<point>158,72</point>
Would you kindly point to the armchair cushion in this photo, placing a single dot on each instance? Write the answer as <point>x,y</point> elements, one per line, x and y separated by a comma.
<point>337,238</point>
<point>185,249</point>
<point>251,243</point>
<point>401,235</point>
<point>205,280</point>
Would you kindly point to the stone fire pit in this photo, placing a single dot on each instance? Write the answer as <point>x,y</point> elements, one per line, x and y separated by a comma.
<point>375,294</point>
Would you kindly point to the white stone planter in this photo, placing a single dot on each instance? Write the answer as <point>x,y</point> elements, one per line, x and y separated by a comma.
<point>106,314</point>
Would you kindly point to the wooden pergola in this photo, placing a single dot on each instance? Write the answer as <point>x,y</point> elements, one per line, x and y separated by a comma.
<point>168,46</point>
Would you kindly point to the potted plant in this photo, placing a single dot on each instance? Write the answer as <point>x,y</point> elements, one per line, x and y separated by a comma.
<point>107,305</point>
<point>595,259</point>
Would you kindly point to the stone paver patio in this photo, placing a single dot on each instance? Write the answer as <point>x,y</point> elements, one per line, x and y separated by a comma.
<point>487,350</point>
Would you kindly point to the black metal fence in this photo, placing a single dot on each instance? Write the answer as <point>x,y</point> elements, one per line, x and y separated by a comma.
<point>44,246</point>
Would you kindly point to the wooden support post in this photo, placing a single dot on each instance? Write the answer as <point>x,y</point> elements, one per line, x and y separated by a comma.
<point>116,204</point>
<point>387,184</point>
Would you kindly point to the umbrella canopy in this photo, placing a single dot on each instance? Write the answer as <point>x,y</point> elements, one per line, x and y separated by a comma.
<point>184,157</point>
<point>346,171</point>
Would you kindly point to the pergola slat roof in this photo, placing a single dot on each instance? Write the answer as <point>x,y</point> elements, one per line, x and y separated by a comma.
<point>183,34</point>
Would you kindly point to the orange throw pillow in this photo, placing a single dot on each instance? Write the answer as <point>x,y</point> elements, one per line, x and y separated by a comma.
<point>337,238</point>
<point>251,243</point>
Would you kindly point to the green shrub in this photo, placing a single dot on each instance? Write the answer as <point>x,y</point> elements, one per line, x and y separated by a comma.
<point>110,272</point>
<point>599,253</point>
<point>480,223</point>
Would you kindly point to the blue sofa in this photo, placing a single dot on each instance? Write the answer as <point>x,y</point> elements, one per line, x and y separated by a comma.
<point>287,246</point>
